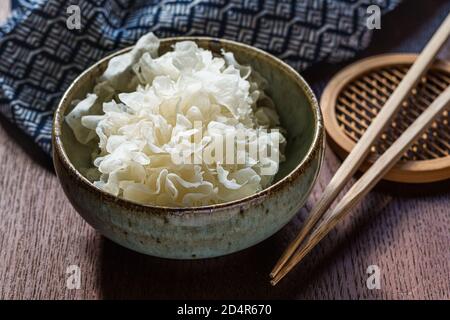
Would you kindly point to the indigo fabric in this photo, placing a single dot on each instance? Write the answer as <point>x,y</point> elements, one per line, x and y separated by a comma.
<point>40,55</point>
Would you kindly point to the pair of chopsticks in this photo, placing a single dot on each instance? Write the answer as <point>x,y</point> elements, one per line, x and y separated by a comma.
<point>298,249</point>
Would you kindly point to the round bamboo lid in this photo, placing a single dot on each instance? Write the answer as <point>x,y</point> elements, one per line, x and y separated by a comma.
<point>356,94</point>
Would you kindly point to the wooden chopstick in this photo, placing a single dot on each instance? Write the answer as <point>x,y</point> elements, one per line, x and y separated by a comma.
<point>362,148</point>
<point>386,161</point>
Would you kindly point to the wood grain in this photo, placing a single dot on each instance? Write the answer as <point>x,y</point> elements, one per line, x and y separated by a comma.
<point>366,183</point>
<point>355,94</point>
<point>41,235</point>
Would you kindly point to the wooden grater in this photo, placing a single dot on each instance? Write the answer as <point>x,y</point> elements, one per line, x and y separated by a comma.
<point>356,94</point>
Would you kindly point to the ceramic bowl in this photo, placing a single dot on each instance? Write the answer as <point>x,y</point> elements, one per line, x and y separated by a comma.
<point>207,231</point>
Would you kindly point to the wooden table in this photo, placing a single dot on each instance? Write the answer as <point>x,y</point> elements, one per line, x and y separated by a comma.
<point>407,235</point>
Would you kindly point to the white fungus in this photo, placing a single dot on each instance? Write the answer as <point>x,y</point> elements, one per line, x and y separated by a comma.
<point>147,111</point>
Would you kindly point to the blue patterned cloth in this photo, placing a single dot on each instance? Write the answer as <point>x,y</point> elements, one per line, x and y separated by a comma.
<point>40,56</point>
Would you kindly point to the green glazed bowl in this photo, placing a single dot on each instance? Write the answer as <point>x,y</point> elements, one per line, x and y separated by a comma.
<point>207,231</point>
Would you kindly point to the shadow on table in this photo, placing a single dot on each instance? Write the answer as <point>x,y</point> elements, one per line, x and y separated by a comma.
<point>244,275</point>
<point>130,275</point>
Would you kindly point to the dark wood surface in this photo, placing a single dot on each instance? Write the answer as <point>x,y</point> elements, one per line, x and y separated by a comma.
<point>41,235</point>
<point>403,230</point>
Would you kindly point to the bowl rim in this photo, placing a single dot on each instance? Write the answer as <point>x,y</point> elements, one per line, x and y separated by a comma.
<point>316,146</point>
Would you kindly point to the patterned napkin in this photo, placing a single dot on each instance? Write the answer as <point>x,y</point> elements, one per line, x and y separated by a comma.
<point>40,56</point>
